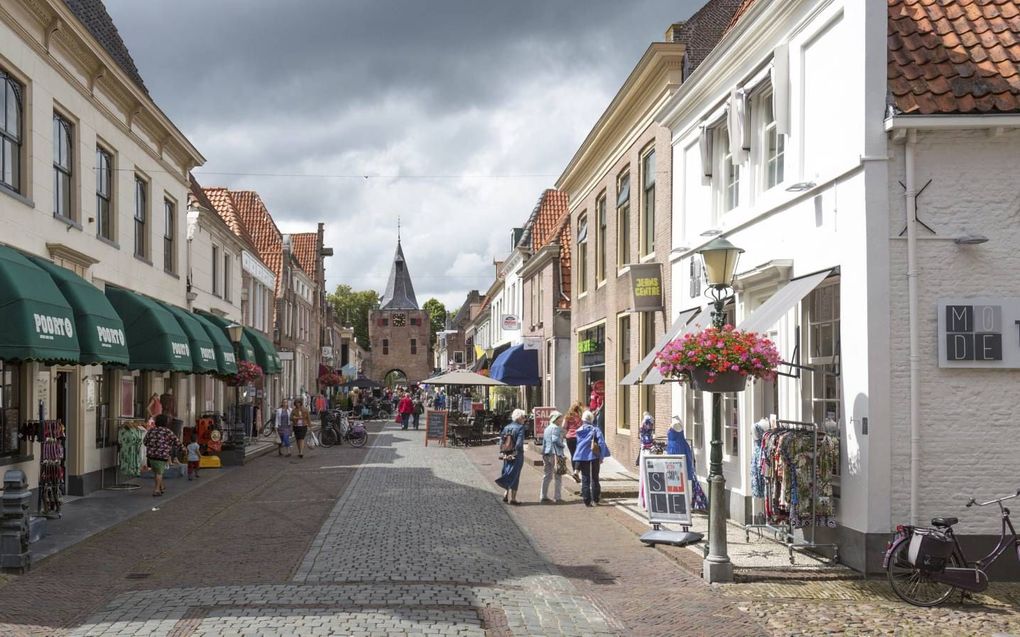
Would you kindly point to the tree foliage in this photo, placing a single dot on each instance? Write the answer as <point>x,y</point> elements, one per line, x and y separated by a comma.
<point>437,317</point>
<point>353,307</point>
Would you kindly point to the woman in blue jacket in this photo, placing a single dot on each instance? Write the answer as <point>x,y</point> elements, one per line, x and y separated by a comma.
<point>510,477</point>
<point>591,450</point>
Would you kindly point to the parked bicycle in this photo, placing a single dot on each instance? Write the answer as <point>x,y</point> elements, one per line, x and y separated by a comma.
<point>339,426</point>
<point>926,564</point>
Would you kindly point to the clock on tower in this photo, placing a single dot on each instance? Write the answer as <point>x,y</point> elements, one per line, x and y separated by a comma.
<point>399,320</point>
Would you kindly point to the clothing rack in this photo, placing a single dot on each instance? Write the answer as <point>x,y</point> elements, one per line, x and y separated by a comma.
<point>786,534</point>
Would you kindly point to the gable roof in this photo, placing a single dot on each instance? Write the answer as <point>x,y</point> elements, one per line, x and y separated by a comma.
<point>954,56</point>
<point>564,239</point>
<point>92,14</point>
<point>399,293</point>
<point>549,212</point>
<point>266,236</point>
<point>703,30</point>
<point>305,247</point>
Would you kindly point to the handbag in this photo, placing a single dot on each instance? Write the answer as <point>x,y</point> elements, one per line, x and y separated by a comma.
<point>596,450</point>
<point>561,466</point>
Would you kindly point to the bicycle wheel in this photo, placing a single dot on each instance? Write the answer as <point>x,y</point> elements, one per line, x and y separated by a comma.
<point>358,438</point>
<point>329,437</point>
<point>914,585</point>
<point>269,427</point>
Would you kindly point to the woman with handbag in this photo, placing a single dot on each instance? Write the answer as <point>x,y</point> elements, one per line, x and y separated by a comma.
<point>591,451</point>
<point>554,459</point>
<point>511,451</point>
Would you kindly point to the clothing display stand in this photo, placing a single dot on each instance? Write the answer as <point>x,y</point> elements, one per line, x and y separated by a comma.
<point>52,471</point>
<point>786,534</point>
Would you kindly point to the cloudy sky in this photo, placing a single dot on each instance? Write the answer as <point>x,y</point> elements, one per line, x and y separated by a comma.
<point>452,114</point>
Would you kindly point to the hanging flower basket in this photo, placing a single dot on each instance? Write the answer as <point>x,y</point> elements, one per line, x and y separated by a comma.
<point>719,360</point>
<point>331,379</point>
<point>247,373</point>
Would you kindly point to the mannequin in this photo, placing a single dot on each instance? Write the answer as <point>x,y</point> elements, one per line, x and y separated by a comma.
<point>676,444</point>
<point>647,434</point>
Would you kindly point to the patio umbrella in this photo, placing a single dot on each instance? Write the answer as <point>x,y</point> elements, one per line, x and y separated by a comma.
<point>461,377</point>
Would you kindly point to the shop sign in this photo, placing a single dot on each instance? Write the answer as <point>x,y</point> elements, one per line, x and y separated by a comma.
<point>532,342</point>
<point>589,346</point>
<point>48,327</point>
<point>541,419</point>
<point>511,323</point>
<point>646,287</point>
<point>180,350</point>
<point>667,497</point>
<point>262,274</point>
<point>110,336</point>
<point>435,426</point>
<point>979,333</point>
<point>327,352</point>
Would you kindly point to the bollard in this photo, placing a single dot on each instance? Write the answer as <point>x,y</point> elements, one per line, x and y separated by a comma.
<point>14,531</point>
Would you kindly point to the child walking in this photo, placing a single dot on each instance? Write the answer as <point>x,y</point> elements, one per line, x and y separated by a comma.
<point>194,456</point>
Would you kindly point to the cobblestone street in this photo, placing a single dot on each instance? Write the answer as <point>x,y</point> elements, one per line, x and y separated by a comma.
<point>415,541</point>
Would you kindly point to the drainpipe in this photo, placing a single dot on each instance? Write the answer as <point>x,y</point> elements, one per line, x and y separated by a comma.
<point>915,361</point>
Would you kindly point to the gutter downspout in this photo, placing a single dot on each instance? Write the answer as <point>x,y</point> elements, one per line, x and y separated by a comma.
<point>912,281</point>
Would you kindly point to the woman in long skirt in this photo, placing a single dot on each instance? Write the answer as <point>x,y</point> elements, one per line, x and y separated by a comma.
<point>513,461</point>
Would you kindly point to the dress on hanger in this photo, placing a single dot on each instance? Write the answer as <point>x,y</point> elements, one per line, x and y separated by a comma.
<point>130,455</point>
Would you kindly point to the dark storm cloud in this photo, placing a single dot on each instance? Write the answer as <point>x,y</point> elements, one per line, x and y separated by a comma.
<point>461,92</point>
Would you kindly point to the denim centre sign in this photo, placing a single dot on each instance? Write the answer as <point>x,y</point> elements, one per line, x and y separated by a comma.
<point>979,333</point>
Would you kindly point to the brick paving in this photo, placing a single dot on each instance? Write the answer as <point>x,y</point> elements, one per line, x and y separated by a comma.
<point>419,543</point>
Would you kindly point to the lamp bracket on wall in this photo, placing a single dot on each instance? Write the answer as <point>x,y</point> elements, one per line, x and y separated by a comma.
<point>917,208</point>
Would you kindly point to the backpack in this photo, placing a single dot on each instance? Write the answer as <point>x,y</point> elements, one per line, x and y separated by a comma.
<point>508,446</point>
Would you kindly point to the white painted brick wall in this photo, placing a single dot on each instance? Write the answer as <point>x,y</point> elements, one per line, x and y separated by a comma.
<point>969,417</point>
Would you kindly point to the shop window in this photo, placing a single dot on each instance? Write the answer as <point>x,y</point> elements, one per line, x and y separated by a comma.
<point>591,346</point>
<point>141,218</point>
<point>582,253</point>
<point>104,194</point>
<point>823,354</point>
<point>623,219</point>
<point>11,96</point>
<point>648,203</point>
<point>10,408</point>
<point>731,424</point>
<point>600,239</point>
<point>169,236</point>
<point>386,346</point>
<point>623,359</point>
<point>63,166</point>
<point>106,429</point>
<point>695,426</point>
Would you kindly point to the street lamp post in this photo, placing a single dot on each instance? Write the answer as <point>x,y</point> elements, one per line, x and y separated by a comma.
<point>234,331</point>
<point>720,259</point>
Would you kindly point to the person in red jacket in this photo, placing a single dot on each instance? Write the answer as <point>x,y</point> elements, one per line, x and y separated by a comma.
<point>405,408</point>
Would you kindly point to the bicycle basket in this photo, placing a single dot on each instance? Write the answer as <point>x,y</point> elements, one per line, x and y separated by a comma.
<point>929,549</point>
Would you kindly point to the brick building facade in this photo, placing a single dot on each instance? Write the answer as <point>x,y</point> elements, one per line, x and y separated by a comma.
<point>399,331</point>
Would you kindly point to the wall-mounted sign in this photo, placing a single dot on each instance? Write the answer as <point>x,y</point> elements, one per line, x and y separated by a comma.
<point>251,264</point>
<point>327,352</point>
<point>980,332</point>
<point>532,342</point>
<point>511,323</point>
<point>646,287</point>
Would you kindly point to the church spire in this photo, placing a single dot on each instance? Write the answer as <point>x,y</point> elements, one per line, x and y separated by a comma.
<point>399,293</point>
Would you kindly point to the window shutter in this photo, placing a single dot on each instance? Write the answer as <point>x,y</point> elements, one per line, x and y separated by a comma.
<point>695,277</point>
<point>705,144</point>
<point>780,72</point>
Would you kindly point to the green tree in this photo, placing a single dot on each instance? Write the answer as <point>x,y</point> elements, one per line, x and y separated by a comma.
<point>437,318</point>
<point>353,307</point>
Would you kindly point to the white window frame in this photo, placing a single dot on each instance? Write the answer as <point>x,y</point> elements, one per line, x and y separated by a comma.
<point>763,105</point>
<point>727,177</point>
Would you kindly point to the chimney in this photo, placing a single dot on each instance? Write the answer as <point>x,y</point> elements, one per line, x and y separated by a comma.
<point>673,32</point>
<point>286,244</point>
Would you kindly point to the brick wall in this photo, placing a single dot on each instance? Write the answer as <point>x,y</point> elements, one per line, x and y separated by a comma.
<point>417,366</point>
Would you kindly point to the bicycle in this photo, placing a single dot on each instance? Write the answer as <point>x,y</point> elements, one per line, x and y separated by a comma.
<point>926,564</point>
<point>337,428</point>
<point>269,428</point>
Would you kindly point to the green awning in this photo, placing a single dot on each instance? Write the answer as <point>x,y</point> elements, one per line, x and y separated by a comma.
<point>38,322</point>
<point>155,339</point>
<point>225,359</point>
<point>247,352</point>
<point>203,351</point>
<point>101,338</point>
<point>268,359</point>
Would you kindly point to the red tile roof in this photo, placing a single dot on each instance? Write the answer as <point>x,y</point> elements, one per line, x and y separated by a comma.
<point>305,247</point>
<point>549,212</point>
<point>266,237</point>
<point>739,13</point>
<point>224,207</point>
<point>954,56</point>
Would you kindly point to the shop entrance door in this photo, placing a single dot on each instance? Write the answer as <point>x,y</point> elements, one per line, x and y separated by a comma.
<point>65,412</point>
